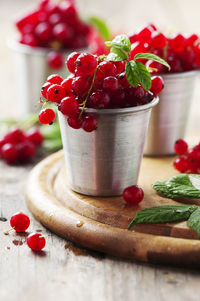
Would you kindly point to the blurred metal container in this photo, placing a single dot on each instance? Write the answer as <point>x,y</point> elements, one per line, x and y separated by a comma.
<point>31,73</point>
<point>169,119</point>
<point>105,161</point>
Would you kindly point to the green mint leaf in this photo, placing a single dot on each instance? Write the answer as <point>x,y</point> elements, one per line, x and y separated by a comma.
<point>144,75</point>
<point>132,73</point>
<point>194,221</point>
<point>101,27</point>
<point>180,186</point>
<point>117,55</point>
<point>153,57</point>
<point>163,214</point>
<point>161,187</point>
<point>120,42</point>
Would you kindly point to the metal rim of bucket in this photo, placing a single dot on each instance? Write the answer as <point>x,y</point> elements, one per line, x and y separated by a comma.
<point>179,74</point>
<point>15,45</point>
<point>124,110</point>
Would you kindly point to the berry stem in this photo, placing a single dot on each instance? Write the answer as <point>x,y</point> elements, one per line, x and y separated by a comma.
<point>89,91</point>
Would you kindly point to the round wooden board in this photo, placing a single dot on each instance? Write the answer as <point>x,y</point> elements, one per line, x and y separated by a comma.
<point>101,223</point>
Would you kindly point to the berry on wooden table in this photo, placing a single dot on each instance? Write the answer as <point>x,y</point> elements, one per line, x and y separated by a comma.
<point>36,241</point>
<point>133,195</point>
<point>20,222</point>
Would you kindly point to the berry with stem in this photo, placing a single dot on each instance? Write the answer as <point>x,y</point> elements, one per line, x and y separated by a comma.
<point>36,241</point>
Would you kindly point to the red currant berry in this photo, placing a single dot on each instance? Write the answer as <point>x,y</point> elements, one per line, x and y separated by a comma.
<point>138,47</point>
<point>36,241</point>
<point>55,93</point>
<point>74,122</point>
<point>157,84</point>
<point>194,154</point>
<point>191,40</point>
<point>145,34</point>
<point>105,69</point>
<point>69,106</point>
<point>110,83</point>
<point>99,99</point>
<point>43,32</point>
<point>30,40</point>
<point>133,38</point>
<point>122,80</point>
<point>25,151</point>
<point>177,43</point>
<point>54,79</point>
<point>71,61</point>
<point>80,85</point>
<point>67,83</point>
<point>154,65</point>
<point>9,153</point>
<point>133,195</point>
<point>118,98</point>
<point>181,147</point>
<point>62,32</point>
<point>35,137</point>
<point>44,89</point>
<point>120,66</point>
<point>158,40</point>
<point>85,64</point>
<point>20,222</point>
<point>15,136</point>
<point>47,116</point>
<point>181,164</point>
<point>89,123</point>
<point>55,60</point>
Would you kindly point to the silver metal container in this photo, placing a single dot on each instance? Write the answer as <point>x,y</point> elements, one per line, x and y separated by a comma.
<point>169,119</point>
<point>31,73</point>
<point>105,161</point>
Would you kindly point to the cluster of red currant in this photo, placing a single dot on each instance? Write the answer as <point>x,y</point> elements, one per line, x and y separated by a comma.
<point>18,146</point>
<point>56,26</point>
<point>181,53</point>
<point>20,223</point>
<point>94,83</point>
<point>189,160</point>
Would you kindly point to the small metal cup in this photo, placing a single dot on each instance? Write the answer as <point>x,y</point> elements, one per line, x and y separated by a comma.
<point>105,161</point>
<point>32,71</point>
<point>169,119</point>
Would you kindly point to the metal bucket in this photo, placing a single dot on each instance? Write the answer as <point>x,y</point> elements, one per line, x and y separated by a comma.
<point>105,161</point>
<point>31,72</point>
<point>169,119</point>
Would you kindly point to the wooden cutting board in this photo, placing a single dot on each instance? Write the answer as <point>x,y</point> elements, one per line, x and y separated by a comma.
<point>101,223</point>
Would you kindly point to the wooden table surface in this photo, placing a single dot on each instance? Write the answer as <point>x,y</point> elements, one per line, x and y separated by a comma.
<point>64,271</point>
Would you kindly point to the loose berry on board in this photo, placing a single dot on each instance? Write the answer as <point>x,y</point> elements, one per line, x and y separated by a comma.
<point>133,195</point>
<point>20,222</point>
<point>36,241</point>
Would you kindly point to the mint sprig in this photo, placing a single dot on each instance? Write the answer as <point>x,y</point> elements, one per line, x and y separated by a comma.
<point>136,72</point>
<point>180,186</point>
<point>167,214</point>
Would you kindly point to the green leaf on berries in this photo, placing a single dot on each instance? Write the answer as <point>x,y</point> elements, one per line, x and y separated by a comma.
<point>194,221</point>
<point>163,214</point>
<point>132,73</point>
<point>153,57</point>
<point>101,27</point>
<point>144,76</point>
<point>117,55</point>
<point>120,42</point>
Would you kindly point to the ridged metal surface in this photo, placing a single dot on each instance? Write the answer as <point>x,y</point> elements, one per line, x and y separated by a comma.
<point>105,161</point>
<point>169,118</point>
